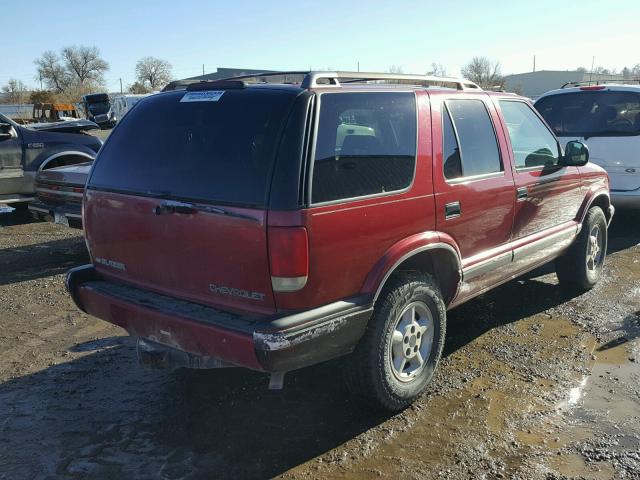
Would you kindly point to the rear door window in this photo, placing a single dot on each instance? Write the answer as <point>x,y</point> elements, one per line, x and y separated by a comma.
<point>532,143</point>
<point>478,146</point>
<point>219,151</point>
<point>592,113</point>
<point>365,145</point>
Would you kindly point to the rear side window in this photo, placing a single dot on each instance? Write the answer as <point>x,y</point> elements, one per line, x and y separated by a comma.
<point>365,145</point>
<point>533,144</point>
<point>217,151</point>
<point>592,113</point>
<point>476,136</point>
<point>451,149</point>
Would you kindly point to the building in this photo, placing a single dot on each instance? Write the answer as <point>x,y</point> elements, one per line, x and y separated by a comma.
<point>534,84</point>
<point>221,73</point>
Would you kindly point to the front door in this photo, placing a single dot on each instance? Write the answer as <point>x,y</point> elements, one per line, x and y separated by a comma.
<point>548,193</point>
<point>10,146</point>
<point>475,190</point>
<point>11,175</point>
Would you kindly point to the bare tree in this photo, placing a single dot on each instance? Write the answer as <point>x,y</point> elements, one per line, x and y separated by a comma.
<point>51,71</point>
<point>581,70</point>
<point>84,65</point>
<point>76,71</point>
<point>635,71</point>
<point>395,69</point>
<point>438,70</point>
<point>153,72</point>
<point>16,91</point>
<point>484,72</point>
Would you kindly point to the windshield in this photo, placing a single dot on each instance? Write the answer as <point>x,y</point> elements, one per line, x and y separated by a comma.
<point>98,108</point>
<point>219,151</point>
<point>592,113</point>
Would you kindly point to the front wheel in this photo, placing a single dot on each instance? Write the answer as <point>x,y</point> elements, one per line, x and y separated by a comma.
<point>580,267</point>
<point>397,357</point>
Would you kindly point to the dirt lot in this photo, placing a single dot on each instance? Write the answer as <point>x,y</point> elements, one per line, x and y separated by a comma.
<point>533,384</point>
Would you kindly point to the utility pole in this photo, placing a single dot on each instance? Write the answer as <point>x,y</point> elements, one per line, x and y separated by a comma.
<point>203,69</point>
<point>358,65</point>
<point>534,63</point>
<point>593,62</point>
<point>120,85</point>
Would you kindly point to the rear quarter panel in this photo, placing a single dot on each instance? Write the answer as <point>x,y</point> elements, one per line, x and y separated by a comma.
<point>347,240</point>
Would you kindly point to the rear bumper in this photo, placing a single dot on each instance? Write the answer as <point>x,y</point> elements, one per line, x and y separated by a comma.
<point>278,343</point>
<point>47,212</point>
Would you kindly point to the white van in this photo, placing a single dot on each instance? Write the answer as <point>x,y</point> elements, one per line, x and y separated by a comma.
<point>123,103</point>
<point>607,119</point>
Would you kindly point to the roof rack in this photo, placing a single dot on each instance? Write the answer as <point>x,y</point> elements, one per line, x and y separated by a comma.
<point>601,81</point>
<point>314,79</point>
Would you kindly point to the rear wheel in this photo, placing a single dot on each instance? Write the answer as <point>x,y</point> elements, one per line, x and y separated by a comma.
<point>398,355</point>
<point>581,265</point>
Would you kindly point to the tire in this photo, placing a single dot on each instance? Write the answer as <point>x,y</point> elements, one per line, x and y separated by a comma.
<point>580,267</point>
<point>371,373</point>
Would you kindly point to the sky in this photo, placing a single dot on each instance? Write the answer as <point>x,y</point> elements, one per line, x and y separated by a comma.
<point>331,34</point>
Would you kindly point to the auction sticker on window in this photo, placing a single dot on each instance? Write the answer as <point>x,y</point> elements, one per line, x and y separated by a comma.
<point>203,96</point>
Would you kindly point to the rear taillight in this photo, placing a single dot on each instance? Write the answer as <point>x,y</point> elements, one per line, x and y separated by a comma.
<point>288,258</point>
<point>593,87</point>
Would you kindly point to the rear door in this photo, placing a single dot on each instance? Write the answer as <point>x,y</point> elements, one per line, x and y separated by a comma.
<point>176,201</point>
<point>475,192</point>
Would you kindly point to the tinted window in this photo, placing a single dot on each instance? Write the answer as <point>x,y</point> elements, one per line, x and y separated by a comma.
<point>533,144</point>
<point>212,150</point>
<point>451,150</point>
<point>366,144</point>
<point>478,145</point>
<point>590,113</point>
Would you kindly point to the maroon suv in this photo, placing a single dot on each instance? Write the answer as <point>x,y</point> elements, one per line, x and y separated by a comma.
<point>274,226</point>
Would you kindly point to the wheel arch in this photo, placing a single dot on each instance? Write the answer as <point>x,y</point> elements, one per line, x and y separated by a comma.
<point>54,160</point>
<point>430,253</point>
<point>600,199</point>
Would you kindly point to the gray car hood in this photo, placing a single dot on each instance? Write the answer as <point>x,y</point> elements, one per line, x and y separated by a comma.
<point>66,126</point>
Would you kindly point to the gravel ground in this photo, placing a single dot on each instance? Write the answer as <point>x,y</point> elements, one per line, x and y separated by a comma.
<point>533,384</point>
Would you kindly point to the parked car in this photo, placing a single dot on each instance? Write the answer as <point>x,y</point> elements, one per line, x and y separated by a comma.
<point>27,149</point>
<point>607,119</point>
<point>59,194</point>
<point>123,103</point>
<point>295,239</point>
<point>97,107</point>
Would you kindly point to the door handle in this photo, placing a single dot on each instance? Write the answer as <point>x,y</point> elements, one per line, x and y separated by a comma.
<point>522,193</point>
<point>452,210</point>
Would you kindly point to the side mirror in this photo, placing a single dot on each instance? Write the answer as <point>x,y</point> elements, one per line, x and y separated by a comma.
<point>576,154</point>
<point>6,131</point>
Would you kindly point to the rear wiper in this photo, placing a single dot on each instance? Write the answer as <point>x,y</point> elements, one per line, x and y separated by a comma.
<point>171,206</point>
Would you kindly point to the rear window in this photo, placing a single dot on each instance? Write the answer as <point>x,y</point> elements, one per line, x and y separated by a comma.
<point>366,145</point>
<point>592,113</point>
<point>219,151</point>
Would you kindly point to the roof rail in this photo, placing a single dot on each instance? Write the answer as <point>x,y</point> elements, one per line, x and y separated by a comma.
<point>601,81</point>
<point>314,79</point>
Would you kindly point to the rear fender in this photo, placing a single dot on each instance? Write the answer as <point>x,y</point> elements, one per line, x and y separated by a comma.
<point>434,252</point>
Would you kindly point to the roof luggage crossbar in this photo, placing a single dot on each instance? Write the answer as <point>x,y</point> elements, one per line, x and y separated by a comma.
<point>601,81</point>
<point>314,79</point>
